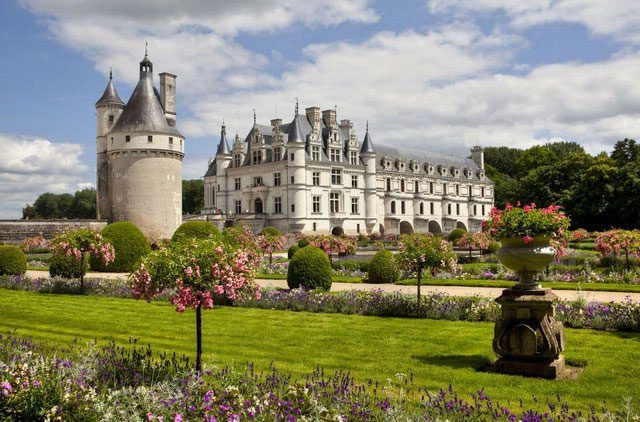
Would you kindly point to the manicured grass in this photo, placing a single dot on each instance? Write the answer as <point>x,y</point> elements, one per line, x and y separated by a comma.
<point>557,285</point>
<point>438,353</point>
<point>587,246</point>
<point>335,278</point>
<point>36,268</point>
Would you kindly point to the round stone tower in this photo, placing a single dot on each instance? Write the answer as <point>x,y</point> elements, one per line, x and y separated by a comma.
<point>142,151</point>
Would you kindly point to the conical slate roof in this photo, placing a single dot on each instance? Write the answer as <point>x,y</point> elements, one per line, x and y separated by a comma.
<point>296,134</point>
<point>367,145</point>
<point>223,146</point>
<point>110,95</point>
<point>143,112</point>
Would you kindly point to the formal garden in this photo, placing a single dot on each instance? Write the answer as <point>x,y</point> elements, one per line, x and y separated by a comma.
<point>204,341</point>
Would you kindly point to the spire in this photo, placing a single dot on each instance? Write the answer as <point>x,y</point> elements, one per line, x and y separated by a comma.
<point>223,146</point>
<point>367,145</point>
<point>146,47</point>
<point>110,95</point>
<point>295,132</point>
<point>146,67</point>
<point>110,73</point>
<point>296,112</point>
<point>254,118</point>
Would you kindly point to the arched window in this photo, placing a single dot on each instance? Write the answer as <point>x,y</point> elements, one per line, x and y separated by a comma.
<point>449,209</point>
<point>393,207</point>
<point>457,209</point>
<point>431,208</point>
<point>421,208</point>
<point>475,210</point>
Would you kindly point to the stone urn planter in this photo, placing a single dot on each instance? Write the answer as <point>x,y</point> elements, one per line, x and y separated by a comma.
<point>526,259</point>
<point>527,337</point>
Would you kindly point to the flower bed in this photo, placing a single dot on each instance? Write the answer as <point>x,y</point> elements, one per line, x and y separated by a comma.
<point>112,383</point>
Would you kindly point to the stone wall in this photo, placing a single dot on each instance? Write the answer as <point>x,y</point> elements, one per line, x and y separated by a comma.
<point>15,231</point>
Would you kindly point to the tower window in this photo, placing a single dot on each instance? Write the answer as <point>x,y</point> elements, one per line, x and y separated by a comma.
<point>111,118</point>
<point>170,140</point>
<point>149,138</point>
<point>393,207</point>
<point>421,208</point>
<point>457,209</point>
<point>402,207</point>
<point>127,138</point>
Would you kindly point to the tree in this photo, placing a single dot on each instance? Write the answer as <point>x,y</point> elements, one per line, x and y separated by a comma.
<point>84,204</point>
<point>474,242</point>
<point>421,252</point>
<point>502,159</point>
<point>271,240</point>
<point>626,151</point>
<point>56,206</point>
<point>196,272</point>
<point>614,242</point>
<point>80,244</point>
<point>192,196</point>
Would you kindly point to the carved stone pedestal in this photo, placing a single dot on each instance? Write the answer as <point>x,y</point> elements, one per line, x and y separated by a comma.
<point>527,337</point>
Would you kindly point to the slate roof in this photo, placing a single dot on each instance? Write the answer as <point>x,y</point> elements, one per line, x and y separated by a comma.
<point>423,157</point>
<point>110,95</point>
<point>143,112</point>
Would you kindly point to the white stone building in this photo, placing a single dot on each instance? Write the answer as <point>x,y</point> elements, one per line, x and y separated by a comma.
<point>312,175</point>
<point>139,155</point>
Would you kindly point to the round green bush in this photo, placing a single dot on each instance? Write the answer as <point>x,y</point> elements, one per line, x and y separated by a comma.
<point>292,250</point>
<point>383,268</point>
<point>129,243</point>
<point>455,235</point>
<point>12,260</point>
<point>194,230</point>
<point>66,267</point>
<point>271,231</point>
<point>309,268</point>
<point>493,247</point>
<point>302,243</point>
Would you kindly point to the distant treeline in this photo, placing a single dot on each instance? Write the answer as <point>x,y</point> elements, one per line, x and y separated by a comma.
<point>82,204</point>
<point>596,192</point>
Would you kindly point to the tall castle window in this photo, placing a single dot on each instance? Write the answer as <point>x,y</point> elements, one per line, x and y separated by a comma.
<point>236,160</point>
<point>150,138</point>
<point>449,209</point>
<point>354,181</point>
<point>334,202</point>
<point>277,205</point>
<point>276,179</point>
<point>353,157</point>
<point>401,185</point>
<point>475,209</point>
<point>257,181</point>
<point>170,140</point>
<point>483,210</point>
<point>316,178</point>
<point>256,157</point>
<point>388,184</point>
<point>402,207</point>
<point>416,186</point>
<point>111,119</point>
<point>277,154</point>
<point>457,190</point>
<point>457,209</point>
<point>393,207</point>
<point>315,204</point>
<point>336,176</point>
<point>236,183</point>
<point>431,188</point>
<point>354,205</point>
<point>421,208</point>
<point>315,153</point>
<point>127,138</point>
<point>482,191</point>
<point>335,155</point>
<point>431,208</point>
<point>238,207</point>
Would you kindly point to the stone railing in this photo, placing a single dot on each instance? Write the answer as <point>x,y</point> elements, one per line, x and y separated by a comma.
<point>15,231</point>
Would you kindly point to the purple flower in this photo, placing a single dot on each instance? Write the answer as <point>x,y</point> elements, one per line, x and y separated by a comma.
<point>177,417</point>
<point>6,388</point>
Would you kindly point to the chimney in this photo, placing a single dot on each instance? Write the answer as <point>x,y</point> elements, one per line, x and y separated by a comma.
<point>329,117</point>
<point>477,155</point>
<point>276,122</point>
<point>168,95</point>
<point>313,115</point>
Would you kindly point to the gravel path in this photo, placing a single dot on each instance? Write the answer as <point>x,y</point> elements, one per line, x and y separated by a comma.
<point>451,290</point>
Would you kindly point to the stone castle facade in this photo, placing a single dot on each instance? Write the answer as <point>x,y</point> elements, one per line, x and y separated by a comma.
<point>139,155</point>
<point>313,175</point>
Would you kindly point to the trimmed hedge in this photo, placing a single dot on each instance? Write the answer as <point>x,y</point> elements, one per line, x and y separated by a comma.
<point>383,268</point>
<point>302,243</point>
<point>194,230</point>
<point>455,235</point>
<point>271,231</point>
<point>129,243</point>
<point>309,268</point>
<point>292,250</point>
<point>66,267</point>
<point>12,260</point>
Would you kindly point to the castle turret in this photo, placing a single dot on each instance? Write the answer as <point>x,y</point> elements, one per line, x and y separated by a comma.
<point>297,191</point>
<point>144,152</point>
<point>368,156</point>
<point>108,110</point>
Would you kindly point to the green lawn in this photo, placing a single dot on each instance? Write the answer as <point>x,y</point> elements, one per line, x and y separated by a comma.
<point>557,285</point>
<point>438,353</point>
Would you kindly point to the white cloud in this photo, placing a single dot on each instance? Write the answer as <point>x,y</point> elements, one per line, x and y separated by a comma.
<point>619,19</point>
<point>31,166</point>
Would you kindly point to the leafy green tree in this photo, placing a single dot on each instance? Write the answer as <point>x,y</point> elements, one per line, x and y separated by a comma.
<point>192,196</point>
<point>594,196</point>
<point>84,204</point>
<point>626,151</point>
<point>502,159</point>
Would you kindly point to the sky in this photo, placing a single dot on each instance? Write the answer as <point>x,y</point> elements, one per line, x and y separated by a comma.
<point>437,75</point>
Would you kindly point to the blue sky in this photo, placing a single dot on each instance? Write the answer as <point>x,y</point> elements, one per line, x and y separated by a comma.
<point>439,75</point>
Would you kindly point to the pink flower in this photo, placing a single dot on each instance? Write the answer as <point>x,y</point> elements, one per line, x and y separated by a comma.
<point>527,239</point>
<point>6,388</point>
<point>177,417</point>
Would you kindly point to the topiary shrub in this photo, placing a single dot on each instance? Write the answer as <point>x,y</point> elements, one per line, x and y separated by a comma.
<point>493,247</point>
<point>12,260</point>
<point>292,250</point>
<point>129,243</point>
<point>194,230</point>
<point>455,235</point>
<point>309,268</point>
<point>271,231</point>
<point>383,268</point>
<point>66,267</point>
<point>302,243</point>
